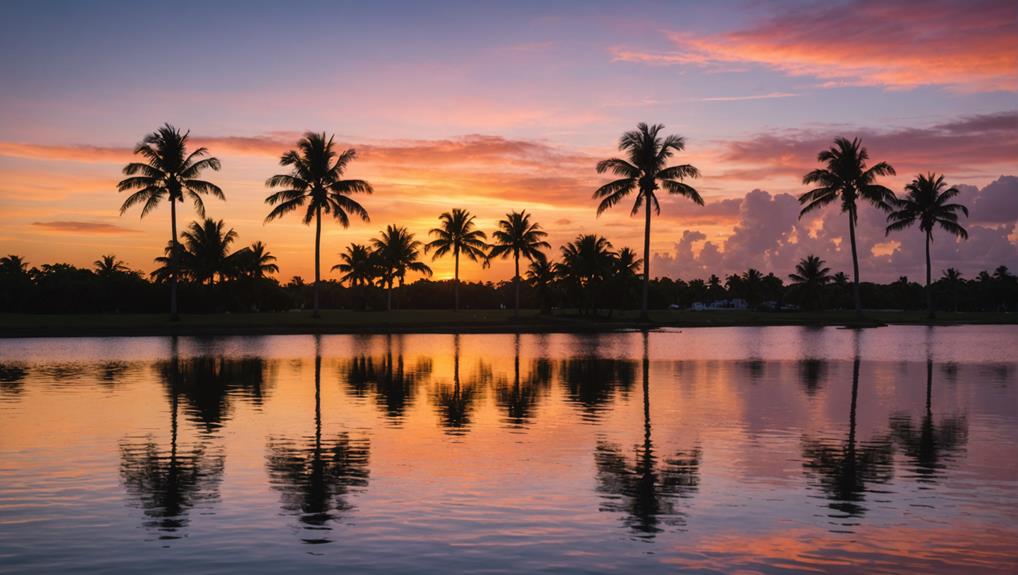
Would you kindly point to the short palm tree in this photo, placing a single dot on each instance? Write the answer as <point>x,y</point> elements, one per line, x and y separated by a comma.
<point>927,203</point>
<point>846,177</point>
<point>316,180</point>
<point>519,237</point>
<point>952,278</point>
<point>207,246</point>
<point>541,275</point>
<point>169,172</point>
<point>645,170</point>
<point>255,261</point>
<point>459,235</point>
<point>13,264</point>
<point>359,268</point>
<point>811,274</point>
<point>398,253</point>
<point>587,262</point>
<point>109,266</point>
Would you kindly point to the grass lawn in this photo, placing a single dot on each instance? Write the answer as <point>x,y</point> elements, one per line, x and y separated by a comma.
<point>344,321</point>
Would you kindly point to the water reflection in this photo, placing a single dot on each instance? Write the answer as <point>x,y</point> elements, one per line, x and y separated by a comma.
<point>456,403</point>
<point>12,378</point>
<point>168,483</point>
<point>811,373</point>
<point>845,469</point>
<point>592,382</point>
<point>315,477</point>
<point>646,491</point>
<point>208,382</point>
<point>517,399</point>
<point>392,382</point>
<point>931,446</point>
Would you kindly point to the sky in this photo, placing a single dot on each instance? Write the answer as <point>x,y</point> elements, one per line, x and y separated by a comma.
<point>498,107</point>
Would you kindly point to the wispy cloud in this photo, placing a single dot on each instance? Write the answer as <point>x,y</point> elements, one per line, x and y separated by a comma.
<point>74,227</point>
<point>768,96</point>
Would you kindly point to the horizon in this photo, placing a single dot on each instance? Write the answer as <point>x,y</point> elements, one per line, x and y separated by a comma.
<point>497,109</point>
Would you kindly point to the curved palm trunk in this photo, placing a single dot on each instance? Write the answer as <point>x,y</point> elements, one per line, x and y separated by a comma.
<point>173,262</point>
<point>929,287</point>
<point>855,264</point>
<point>644,316</point>
<point>456,281</point>
<point>516,284</point>
<point>318,258</point>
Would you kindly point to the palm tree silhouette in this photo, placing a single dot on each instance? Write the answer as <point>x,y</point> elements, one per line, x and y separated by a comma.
<point>844,471</point>
<point>394,383</point>
<point>169,172</point>
<point>931,447</point>
<point>847,178</point>
<point>541,274</point>
<point>359,268</point>
<point>255,261</point>
<point>587,263</point>
<point>810,277</point>
<point>398,253</point>
<point>457,234</point>
<point>928,203</point>
<point>646,491</point>
<point>519,237</point>
<point>109,266</point>
<point>316,179</point>
<point>168,485</point>
<point>314,476</point>
<point>952,278</point>
<point>207,250</point>
<point>644,170</point>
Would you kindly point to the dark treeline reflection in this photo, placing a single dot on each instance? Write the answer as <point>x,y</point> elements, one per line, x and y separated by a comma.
<point>931,446</point>
<point>12,378</point>
<point>393,382</point>
<point>168,483</point>
<point>316,475</point>
<point>646,490</point>
<point>517,397</point>
<point>592,382</point>
<point>845,469</point>
<point>207,383</point>
<point>455,403</point>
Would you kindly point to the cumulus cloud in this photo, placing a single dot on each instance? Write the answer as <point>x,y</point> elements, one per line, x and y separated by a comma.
<point>966,46</point>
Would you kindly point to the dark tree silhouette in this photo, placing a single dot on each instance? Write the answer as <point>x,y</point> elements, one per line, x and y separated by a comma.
<point>255,261</point>
<point>847,178</point>
<point>316,179</point>
<point>398,253</point>
<point>108,266</point>
<point>518,237</point>
<point>359,268</point>
<point>393,383</point>
<point>810,277</point>
<point>455,406</point>
<point>316,477</point>
<point>541,275</point>
<point>647,489</point>
<point>927,203</point>
<point>519,397</point>
<point>169,172</point>
<point>645,170</point>
<point>458,235</point>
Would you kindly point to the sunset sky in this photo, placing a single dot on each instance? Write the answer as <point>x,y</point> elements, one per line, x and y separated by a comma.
<point>497,108</point>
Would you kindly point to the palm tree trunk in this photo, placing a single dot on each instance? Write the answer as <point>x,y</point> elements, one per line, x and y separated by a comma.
<point>173,262</point>
<point>516,284</point>
<point>456,280</point>
<point>318,258</point>
<point>855,264</point>
<point>929,285</point>
<point>644,316</point>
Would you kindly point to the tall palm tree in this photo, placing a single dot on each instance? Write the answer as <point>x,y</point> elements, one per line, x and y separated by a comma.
<point>810,276</point>
<point>519,237</point>
<point>928,203</point>
<point>398,253</point>
<point>207,252</point>
<point>169,172</point>
<point>316,179</point>
<point>109,266</point>
<point>644,170</point>
<point>846,177</point>
<point>457,234</point>
<point>255,261</point>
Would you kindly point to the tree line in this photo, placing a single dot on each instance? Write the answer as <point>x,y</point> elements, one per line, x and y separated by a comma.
<point>590,274</point>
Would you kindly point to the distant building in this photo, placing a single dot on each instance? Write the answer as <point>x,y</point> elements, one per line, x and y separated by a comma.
<point>721,304</point>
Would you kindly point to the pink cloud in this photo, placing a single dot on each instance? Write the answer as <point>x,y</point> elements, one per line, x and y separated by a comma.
<point>74,227</point>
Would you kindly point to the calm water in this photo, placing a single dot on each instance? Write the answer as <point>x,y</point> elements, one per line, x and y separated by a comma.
<point>710,450</point>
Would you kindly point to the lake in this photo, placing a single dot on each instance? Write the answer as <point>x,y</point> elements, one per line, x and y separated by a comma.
<point>775,449</point>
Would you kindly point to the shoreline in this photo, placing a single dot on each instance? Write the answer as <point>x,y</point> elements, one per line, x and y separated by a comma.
<point>447,321</point>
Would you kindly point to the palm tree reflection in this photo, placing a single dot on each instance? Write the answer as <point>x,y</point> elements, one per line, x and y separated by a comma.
<point>519,398</point>
<point>12,378</point>
<point>932,446</point>
<point>811,373</point>
<point>169,483</point>
<point>591,382</point>
<point>455,405</point>
<point>844,470</point>
<point>314,476</point>
<point>646,490</point>
<point>394,384</point>
<point>208,382</point>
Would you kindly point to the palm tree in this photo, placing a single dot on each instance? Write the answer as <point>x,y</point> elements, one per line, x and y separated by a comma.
<point>952,278</point>
<point>928,203</point>
<point>207,250</point>
<point>752,284</point>
<point>316,179</point>
<point>644,170</point>
<point>518,236</point>
<point>458,235</point>
<point>358,266</point>
<point>169,172</point>
<point>398,253</point>
<point>810,276</point>
<point>847,178</point>
<point>13,264</point>
<point>541,275</point>
<point>255,261</point>
<point>109,266</point>
<point>587,263</point>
